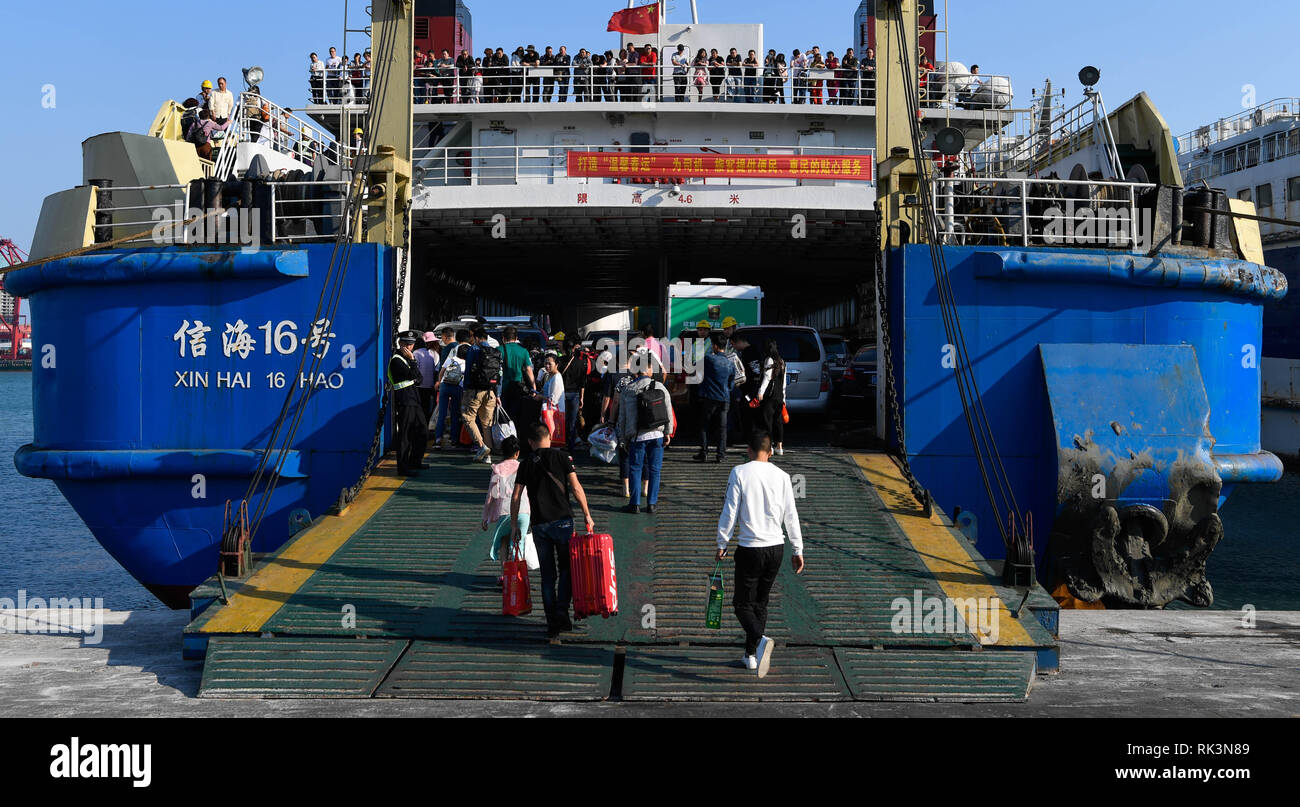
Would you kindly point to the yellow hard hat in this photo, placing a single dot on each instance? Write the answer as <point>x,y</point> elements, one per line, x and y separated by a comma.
<point>559,337</point>
<point>356,131</point>
<point>729,322</point>
<point>704,323</point>
<point>207,85</point>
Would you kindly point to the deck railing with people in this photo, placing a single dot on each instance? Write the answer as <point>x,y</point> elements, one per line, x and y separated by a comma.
<point>666,83</point>
<point>260,120</point>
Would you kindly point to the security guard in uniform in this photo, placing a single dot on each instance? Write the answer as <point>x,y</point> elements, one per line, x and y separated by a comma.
<point>408,417</point>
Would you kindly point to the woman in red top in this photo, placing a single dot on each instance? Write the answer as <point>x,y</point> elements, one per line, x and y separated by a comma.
<point>833,84</point>
<point>927,67</point>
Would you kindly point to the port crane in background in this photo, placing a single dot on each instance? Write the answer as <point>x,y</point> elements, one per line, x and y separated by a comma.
<point>13,329</point>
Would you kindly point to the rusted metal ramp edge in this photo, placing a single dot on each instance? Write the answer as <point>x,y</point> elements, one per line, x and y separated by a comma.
<point>296,667</point>
<point>518,671</point>
<point>961,677</point>
<point>714,674</point>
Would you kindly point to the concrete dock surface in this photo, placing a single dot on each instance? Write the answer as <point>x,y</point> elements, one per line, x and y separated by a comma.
<point>1113,664</point>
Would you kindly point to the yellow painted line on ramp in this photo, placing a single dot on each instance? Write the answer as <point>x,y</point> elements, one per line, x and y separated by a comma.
<point>274,583</point>
<point>952,566</point>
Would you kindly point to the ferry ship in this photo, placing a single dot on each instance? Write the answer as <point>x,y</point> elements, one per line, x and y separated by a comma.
<point>1254,157</point>
<point>1061,334</point>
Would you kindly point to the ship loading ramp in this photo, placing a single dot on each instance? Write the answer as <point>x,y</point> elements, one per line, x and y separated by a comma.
<point>396,598</point>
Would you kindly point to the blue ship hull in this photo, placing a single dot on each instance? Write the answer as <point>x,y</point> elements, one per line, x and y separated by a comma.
<point>1110,380</point>
<point>1142,372</point>
<point>149,424</point>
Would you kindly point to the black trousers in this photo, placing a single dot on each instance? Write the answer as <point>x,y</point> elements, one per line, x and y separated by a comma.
<point>771,420</point>
<point>709,412</point>
<point>428,402</point>
<point>756,570</point>
<point>412,435</point>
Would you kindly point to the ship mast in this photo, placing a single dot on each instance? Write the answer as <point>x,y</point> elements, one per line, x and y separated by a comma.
<point>899,170</point>
<point>388,139</point>
<point>388,164</point>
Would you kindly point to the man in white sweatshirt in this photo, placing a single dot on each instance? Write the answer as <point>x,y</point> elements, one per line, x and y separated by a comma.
<point>760,501</point>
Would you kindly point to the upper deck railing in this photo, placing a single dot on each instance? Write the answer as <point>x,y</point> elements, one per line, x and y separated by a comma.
<point>256,119</point>
<point>1047,133</point>
<point>662,83</point>
<point>288,212</point>
<point>1203,162</point>
<point>1203,137</point>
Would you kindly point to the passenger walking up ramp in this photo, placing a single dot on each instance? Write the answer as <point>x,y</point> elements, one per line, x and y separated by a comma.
<point>397,599</point>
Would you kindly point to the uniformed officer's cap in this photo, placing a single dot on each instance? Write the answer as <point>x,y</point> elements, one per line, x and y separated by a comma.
<point>408,336</point>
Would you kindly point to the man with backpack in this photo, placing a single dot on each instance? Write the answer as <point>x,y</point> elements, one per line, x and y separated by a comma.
<point>479,402</point>
<point>645,424</point>
<point>450,390</point>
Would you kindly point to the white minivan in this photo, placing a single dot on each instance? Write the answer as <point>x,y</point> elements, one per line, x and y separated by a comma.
<point>807,379</point>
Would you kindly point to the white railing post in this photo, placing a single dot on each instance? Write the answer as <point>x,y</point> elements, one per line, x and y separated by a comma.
<point>1024,212</point>
<point>1132,217</point>
<point>273,236</point>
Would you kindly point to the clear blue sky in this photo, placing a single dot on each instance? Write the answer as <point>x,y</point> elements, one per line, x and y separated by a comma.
<point>112,64</point>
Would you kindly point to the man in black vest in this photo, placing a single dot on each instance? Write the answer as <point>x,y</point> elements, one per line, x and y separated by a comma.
<point>409,419</point>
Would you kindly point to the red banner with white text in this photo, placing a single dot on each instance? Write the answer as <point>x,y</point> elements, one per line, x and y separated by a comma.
<point>854,167</point>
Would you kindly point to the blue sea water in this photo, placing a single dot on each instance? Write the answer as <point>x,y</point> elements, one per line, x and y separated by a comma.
<point>46,550</point>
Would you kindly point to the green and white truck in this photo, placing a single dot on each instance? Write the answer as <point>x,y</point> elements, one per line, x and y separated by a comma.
<point>711,299</point>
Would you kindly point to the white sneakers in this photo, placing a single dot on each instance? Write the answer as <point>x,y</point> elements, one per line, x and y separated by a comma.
<point>764,656</point>
<point>484,454</point>
<point>780,451</point>
<point>760,661</point>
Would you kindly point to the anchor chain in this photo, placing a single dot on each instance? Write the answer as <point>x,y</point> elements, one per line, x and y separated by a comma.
<point>372,459</point>
<point>891,393</point>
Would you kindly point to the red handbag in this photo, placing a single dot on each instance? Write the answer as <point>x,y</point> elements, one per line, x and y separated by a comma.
<point>516,592</point>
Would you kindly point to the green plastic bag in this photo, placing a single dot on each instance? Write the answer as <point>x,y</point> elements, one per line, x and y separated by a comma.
<point>713,617</point>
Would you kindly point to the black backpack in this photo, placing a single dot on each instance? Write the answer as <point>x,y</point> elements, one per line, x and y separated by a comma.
<point>652,408</point>
<point>487,371</point>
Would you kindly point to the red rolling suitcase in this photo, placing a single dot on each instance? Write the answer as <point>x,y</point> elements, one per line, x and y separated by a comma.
<point>591,569</point>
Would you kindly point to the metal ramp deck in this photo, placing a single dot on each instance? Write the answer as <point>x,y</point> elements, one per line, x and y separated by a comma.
<point>397,599</point>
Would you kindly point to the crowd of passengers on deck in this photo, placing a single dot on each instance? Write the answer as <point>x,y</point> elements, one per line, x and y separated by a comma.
<point>632,74</point>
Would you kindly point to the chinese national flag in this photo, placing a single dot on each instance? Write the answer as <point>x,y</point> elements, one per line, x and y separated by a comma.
<point>640,20</point>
